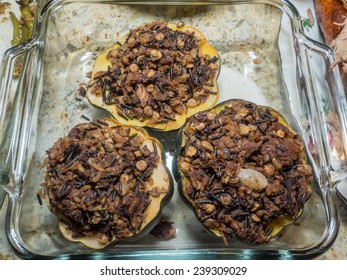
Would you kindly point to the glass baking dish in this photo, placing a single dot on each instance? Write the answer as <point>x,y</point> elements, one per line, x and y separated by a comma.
<point>266,58</point>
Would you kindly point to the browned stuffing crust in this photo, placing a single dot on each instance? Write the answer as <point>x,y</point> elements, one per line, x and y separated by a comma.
<point>243,137</point>
<point>95,180</point>
<point>156,74</point>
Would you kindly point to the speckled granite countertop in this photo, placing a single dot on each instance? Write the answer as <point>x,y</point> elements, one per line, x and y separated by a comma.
<point>339,249</point>
<point>6,252</point>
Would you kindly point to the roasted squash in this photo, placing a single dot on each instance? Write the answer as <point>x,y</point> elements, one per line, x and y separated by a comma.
<point>243,170</point>
<point>106,182</point>
<point>156,76</point>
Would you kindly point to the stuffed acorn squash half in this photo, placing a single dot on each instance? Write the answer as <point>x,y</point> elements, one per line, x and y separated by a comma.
<point>156,76</point>
<point>243,170</point>
<point>106,182</point>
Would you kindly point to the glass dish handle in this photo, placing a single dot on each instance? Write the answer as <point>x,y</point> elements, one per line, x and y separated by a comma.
<point>8,64</point>
<point>324,111</point>
<point>18,102</point>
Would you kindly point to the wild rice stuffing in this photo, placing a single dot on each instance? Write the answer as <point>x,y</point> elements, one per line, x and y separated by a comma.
<point>243,169</point>
<point>96,180</point>
<point>156,74</point>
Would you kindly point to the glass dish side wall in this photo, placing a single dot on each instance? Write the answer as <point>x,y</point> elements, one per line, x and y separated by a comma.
<point>66,49</point>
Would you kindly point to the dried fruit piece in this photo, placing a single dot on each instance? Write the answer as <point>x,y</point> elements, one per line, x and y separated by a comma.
<point>156,76</point>
<point>164,230</point>
<point>243,170</point>
<point>106,182</point>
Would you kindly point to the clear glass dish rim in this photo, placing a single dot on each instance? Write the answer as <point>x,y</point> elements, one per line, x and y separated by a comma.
<point>328,195</point>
